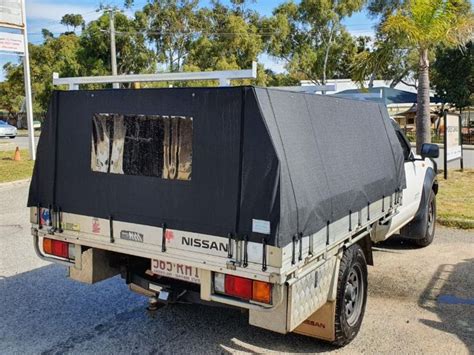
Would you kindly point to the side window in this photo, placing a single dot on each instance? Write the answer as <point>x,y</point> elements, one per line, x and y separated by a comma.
<point>405,145</point>
<point>146,145</point>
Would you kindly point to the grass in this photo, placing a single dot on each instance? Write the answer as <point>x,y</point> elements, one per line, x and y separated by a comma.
<point>24,133</point>
<point>11,170</point>
<point>455,200</point>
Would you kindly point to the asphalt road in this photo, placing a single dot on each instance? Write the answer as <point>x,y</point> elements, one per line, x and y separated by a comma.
<point>420,300</point>
<point>11,144</point>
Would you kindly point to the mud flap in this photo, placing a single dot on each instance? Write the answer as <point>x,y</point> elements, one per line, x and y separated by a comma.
<point>95,267</point>
<point>320,324</point>
<point>309,293</point>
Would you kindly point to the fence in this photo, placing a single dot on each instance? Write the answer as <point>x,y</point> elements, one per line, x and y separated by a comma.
<point>467,130</point>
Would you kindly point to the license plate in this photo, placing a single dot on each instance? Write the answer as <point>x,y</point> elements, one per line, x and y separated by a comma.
<point>175,271</point>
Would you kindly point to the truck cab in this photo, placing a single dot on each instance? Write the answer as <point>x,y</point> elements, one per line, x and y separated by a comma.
<point>416,218</point>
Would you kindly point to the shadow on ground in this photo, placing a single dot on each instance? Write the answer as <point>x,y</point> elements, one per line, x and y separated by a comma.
<point>450,295</point>
<point>396,242</point>
<point>44,312</point>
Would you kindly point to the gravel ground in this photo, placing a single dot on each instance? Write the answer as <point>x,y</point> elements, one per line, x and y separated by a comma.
<point>420,300</point>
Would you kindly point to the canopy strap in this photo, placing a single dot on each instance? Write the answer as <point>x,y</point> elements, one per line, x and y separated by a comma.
<point>264,254</point>
<point>38,216</point>
<point>111,225</point>
<point>293,256</point>
<point>163,238</point>
<point>350,221</point>
<point>327,232</point>
<point>55,219</point>
<point>50,220</point>
<point>246,257</point>
<point>60,220</point>
<point>300,241</point>
<point>229,246</point>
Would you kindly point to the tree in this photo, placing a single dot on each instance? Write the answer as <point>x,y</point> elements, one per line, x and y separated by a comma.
<point>11,90</point>
<point>133,54</point>
<point>386,60</point>
<point>453,76</point>
<point>72,20</point>
<point>423,25</point>
<point>54,55</point>
<point>229,38</point>
<point>171,26</point>
<point>310,36</point>
<point>47,34</point>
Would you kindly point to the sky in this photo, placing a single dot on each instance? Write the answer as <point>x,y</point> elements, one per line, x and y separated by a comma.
<point>47,14</point>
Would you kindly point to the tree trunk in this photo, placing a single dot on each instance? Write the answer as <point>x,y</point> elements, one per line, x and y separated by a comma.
<point>326,55</point>
<point>423,121</point>
<point>371,80</point>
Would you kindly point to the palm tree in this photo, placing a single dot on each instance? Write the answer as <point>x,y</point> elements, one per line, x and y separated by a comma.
<point>424,25</point>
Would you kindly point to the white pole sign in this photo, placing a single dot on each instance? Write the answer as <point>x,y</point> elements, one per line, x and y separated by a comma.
<point>10,12</point>
<point>12,42</point>
<point>13,15</point>
<point>453,134</point>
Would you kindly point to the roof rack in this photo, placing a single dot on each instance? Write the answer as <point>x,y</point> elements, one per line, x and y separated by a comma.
<point>224,77</point>
<point>307,89</point>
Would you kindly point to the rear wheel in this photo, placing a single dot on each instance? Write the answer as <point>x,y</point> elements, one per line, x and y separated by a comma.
<point>12,137</point>
<point>351,295</point>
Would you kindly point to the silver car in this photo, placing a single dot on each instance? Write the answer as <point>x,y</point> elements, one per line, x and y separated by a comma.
<point>7,130</point>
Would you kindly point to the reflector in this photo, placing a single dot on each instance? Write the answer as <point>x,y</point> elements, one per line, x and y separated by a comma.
<point>219,282</point>
<point>238,287</point>
<point>262,292</point>
<point>47,246</point>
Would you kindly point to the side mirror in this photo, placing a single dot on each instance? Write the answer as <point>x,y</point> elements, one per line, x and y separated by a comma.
<point>429,150</point>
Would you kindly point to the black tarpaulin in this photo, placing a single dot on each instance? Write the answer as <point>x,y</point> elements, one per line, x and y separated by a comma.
<point>262,163</point>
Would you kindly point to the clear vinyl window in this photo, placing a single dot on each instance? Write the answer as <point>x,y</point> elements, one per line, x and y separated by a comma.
<point>147,145</point>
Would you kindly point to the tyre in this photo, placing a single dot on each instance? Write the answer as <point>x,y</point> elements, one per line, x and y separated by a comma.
<point>13,137</point>
<point>430,222</point>
<point>351,295</point>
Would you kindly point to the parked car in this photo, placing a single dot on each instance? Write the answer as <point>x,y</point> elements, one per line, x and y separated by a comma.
<point>7,130</point>
<point>36,125</point>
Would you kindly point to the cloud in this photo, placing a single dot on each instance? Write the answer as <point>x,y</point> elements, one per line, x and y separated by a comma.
<point>53,11</point>
<point>48,14</point>
<point>362,32</point>
<point>272,63</point>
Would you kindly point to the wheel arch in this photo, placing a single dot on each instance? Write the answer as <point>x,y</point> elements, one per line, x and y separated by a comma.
<point>366,246</point>
<point>415,229</point>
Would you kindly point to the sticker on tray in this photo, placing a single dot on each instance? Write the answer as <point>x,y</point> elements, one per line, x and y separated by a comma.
<point>260,226</point>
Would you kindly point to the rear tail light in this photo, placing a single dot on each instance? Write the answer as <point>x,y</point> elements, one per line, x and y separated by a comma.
<point>243,288</point>
<point>58,248</point>
<point>238,287</point>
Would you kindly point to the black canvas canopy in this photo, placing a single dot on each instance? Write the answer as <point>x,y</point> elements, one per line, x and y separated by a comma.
<point>216,160</point>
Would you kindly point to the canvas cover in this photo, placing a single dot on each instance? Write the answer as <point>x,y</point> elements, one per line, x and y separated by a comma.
<point>263,163</point>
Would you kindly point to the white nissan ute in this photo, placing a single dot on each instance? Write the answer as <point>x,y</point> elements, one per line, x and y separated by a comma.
<point>260,199</point>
